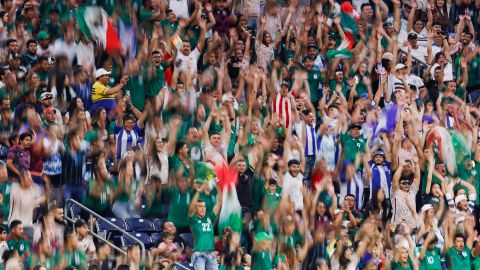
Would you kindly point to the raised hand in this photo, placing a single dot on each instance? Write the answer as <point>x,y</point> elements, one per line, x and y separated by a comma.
<point>208,7</point>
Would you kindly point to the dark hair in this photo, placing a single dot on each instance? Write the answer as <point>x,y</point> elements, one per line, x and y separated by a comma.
<point>72,106</point>
<point>14,224</point>
<point>31,41</point>
<point>10,41</point>
<point>342,259</point>
<point>24,135</point>
<point>68,232</point>
<point>7,254</point>
<point>365,5</point>
<point>179,146</point>
<point>350,195</point>
<point>41,59</point>
<point>459,235</point>
<point>123,267</point>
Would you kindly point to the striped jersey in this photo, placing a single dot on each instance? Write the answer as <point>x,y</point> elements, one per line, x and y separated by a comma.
<point>283,107</point>
<point>310,140</point>
<point>353,186</point>
<point>126,140</point>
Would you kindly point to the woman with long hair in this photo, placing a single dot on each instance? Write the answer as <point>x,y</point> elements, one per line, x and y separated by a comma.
<point>128,193</point>
<point>100,123</point>
<point>76,103</point>
<point>79,119</point>
<point>157,160</point>
<point>441,11</point>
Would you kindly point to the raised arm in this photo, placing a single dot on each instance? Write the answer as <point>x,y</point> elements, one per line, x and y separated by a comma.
<point>411,16</point>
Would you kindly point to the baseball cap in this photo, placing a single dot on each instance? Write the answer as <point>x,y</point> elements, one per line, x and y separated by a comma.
<point>379,152</point>
<point>399,66</point>
<point>43,35</point>
<point>49,110</point>
<point>388,56</point>
<point>426,207</point>
<point>101,72</point>
<point>262,236</point>
<point>46,95</point>
<point>352,126</point>
<point>460,198</point>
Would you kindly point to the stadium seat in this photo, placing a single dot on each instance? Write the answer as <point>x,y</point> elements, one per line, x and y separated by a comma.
<point>474,96</point>
<point>156,238</point>
<point>143,237</point>
<point>106,230</point>
<point>139,225</point>
<point>158,223</point>
<point>187,239</point>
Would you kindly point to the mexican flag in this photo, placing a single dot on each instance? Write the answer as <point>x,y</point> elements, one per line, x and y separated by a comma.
<point>349,19</point>
<point>93,22</point>
<point>231,212</point>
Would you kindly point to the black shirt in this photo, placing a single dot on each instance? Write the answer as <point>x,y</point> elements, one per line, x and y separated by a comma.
<point>245,189</point>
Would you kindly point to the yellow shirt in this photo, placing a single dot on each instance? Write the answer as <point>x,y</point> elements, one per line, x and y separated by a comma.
<point>99,92</point>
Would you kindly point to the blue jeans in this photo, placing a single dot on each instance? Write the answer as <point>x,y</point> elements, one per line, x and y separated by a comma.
<point>309,164</point>
<point>73,192</point>
<point>204,261</point>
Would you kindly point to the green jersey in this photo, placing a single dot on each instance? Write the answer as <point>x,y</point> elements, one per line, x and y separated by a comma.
<point>5,189</point>
<point>21,245</point>
<point>398,266</point>
<point>333,86</point>
<point>98,195</point>
<point>315,79</point>
<point>361,87</point>
<point>169,28</point>
<point>202,229</point>
<point>157,82</point>
<point>272,200</point>
<point>176,164</point>
<point>458,260</point>
<point>352,146</point>
<point>77,259</point>
<point>262,260</point>
<point>48,262</point>
<point>135,87</point>
<point>431,260</point>
<point>179,203</point>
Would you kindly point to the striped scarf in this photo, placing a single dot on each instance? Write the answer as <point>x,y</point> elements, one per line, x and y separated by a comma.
<point>125,141</point>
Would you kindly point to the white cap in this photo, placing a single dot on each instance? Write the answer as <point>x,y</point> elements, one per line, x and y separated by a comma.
<point>426,207</point>
<point>100,72</point>
<point>399,66</point>
<point>460,198</point>
<point>415,80</point>
<point>387,55</point>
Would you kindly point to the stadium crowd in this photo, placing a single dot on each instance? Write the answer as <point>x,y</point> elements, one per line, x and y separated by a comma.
<point>348,132</point>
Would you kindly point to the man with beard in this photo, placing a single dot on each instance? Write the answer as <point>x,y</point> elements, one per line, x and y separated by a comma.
<point>293,184</point>
<point>29,59</point>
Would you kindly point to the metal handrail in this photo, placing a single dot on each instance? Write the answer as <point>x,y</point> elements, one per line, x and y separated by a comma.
<point>142,246</point>
<point>420,61</point>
